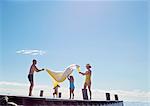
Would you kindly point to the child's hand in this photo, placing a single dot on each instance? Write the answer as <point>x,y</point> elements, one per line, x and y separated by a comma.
<point>68,77</point>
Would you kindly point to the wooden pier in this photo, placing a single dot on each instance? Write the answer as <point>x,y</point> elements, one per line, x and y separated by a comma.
<point>42,101</point>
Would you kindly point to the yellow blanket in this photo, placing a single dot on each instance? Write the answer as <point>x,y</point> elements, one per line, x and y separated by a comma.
<point>61,76</point>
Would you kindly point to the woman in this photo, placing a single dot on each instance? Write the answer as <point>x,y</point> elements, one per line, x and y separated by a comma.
<point>88,78</point>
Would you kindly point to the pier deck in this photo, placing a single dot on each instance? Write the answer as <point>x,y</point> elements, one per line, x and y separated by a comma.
<point>42,101</point>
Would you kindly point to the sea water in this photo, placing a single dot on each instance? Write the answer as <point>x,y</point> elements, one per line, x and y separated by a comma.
<point>136,103</point>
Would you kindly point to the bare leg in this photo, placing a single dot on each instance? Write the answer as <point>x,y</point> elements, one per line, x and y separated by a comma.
<point>89,87</point>
<point>30,89</point>
<point>73,94</point>
<point>54,95</point>
<point>84,85</point>
<point>70,94</point>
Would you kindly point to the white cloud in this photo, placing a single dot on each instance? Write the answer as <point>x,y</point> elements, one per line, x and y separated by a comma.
<point>12,83</point>
<point>13,88</point>
<point>132,95</point>
<point>31,52</point>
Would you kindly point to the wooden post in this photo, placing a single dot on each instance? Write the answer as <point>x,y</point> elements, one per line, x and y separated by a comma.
<point>41,93</point>
<point>59,95</point>
<point>84,93</point>
<point>107,96</point>
<point>116,97</point>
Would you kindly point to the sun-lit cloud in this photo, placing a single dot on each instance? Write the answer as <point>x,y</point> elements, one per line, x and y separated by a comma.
<point>31,52</point>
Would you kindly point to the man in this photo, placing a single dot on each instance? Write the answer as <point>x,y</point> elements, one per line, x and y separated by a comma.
<point>88,78</point>
<point>33,68</point>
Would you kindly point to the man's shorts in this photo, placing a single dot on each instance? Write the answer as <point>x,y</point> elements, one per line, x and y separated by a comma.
<point>30,77</point>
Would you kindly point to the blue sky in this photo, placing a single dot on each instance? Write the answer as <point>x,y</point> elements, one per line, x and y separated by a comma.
<point>110,35</point>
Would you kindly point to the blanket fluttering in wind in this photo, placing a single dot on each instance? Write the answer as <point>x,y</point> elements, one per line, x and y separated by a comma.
<point>61,76</point>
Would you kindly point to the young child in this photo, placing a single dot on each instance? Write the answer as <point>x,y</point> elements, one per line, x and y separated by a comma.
<point>55,91</point>
<point>72,87</point>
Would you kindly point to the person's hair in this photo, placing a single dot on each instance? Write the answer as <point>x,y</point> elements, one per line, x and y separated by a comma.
<point>88,65</point>
<point>71,77</point>
<point>34,60</point>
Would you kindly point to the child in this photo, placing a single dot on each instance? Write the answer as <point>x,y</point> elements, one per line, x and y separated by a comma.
<point>71,80</point>
<point>55,91</point>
